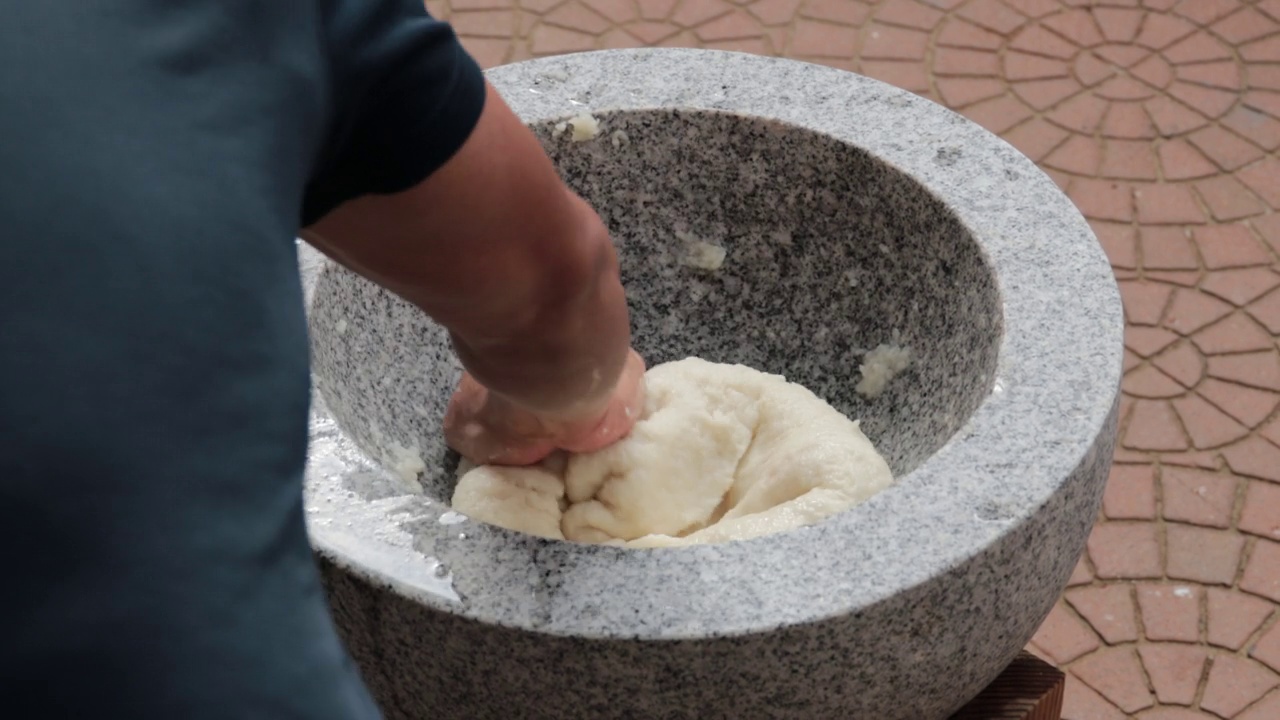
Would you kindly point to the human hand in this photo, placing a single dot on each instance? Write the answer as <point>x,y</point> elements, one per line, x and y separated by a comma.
<point>486,428</point>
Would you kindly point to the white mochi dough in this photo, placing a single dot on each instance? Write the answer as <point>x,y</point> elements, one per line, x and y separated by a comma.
<point>720,453</point>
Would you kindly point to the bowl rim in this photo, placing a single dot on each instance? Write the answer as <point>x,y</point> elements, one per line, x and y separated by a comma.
<point>1057,380</point>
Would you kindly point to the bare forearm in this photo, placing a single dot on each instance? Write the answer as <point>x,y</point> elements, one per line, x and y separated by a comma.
<point>496,249</point>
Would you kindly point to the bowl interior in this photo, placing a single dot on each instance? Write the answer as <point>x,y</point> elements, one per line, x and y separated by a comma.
<point>828,252</point>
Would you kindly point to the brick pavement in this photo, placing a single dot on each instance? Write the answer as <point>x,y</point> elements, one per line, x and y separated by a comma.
<point>1161,120</point>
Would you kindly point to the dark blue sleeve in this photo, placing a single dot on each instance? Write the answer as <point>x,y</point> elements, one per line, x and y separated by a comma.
<point>158,157</point>
<point>407,96</point>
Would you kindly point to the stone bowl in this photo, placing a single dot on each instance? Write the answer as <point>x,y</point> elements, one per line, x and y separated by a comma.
<point>851,214</point>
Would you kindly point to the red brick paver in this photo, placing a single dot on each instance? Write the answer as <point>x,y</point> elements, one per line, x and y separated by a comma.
<point>1161,120</point>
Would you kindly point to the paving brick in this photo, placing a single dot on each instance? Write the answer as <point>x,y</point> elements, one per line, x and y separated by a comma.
<point>1264,101</point>
<point>1166,205</point>
<point>1242,286</point>
<point>1267,650</point>
<point>1117,240</point>
<point>1236,333</point>
<point>1119,25</point>
<point>1147,341</point>
<point>1161,31</point>
<point>1227,199</point>
<point>1149,382</point>
<point>1226,149</point>
<point>1268,228</point>
<point>1037,40</point>
<point>1243,26</point>
<point>1233,617</point>
<point>962,34</point>
<point>649,9</point>
<point>1267,708</point>
<point>962,61</point>
<point>1125,551</point>
<point>654,33</point>
<point>1172,712</point>
<point>998,114</point>
<point>1181,278</point>
<point>906,75</point>
<point>886,42</point>
<point>551,40</point>
<point>992,15</point>
<point>1191,310</point>
<point>1202,554</point>
<point>619,11</point>
<point>1254,457</point>
<point>692,13</point>
<point>1180,160</point>
<point>1266,311</point>
<point>1173,118</point>
<point>1235,683</point>
<point>1204,460</point>
<point>1223,74</point>
<point>1261,513</point>
<point>1081,574</point>
<point>1081,702</point>
<point>1043,94</point>
<point>1077,26</point>
<point>1079,155</point>
<point>1116,674</point>
<point>1263,178</point>
<point>1260,369</point>
<point>1064,637</point>
<point>1108,609</point>
<point>1271,431</point>
<point>1129,160</point>
<point>1258,127</point>
<point>1175,670</point>
<point>1091,70</point>
<point>1124,88</point>
<point>1248,406</point>
<point>1204,12</point>
<point>909,13</point>
<point>1264,76</point>
<point>1035,8</point>
<point>485,23</point>
<point>1144,302</point>
<point>1130,493</point>
<point>1105,199</point>
<point>575,16</point>
<point>1206,425</point>
<point>1182,363</point>
<point>1210,102</point>
<point>1199,47</point>
<point>1082,113</point>
<point>1170,612</point>
<point>821,39</point>
<point>1198,497</point>
<point>1168,248</point>
<point>1128,121</point>
<point>488,52</point>
<point>958,92</point>
<point>1024,66</point>
<point>1262,572</point>
<point>1154,426</point>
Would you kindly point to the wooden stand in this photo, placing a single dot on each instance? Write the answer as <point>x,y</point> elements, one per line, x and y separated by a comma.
<point>1029,689</point>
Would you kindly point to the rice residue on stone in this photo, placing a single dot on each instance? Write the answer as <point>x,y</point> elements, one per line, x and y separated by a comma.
<point>585,127</point>
<point>880,366</point>
<point>701,254</point>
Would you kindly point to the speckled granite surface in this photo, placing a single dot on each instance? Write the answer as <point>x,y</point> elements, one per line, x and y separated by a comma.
<point>852,214</point>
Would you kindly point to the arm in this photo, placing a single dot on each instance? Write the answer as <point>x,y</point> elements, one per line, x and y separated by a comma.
<point>521,271</point>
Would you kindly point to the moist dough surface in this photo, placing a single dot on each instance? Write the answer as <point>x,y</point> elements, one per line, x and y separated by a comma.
<point>721,452</point>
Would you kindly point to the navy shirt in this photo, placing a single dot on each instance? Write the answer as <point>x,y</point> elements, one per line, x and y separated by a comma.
<point>156,161</point>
